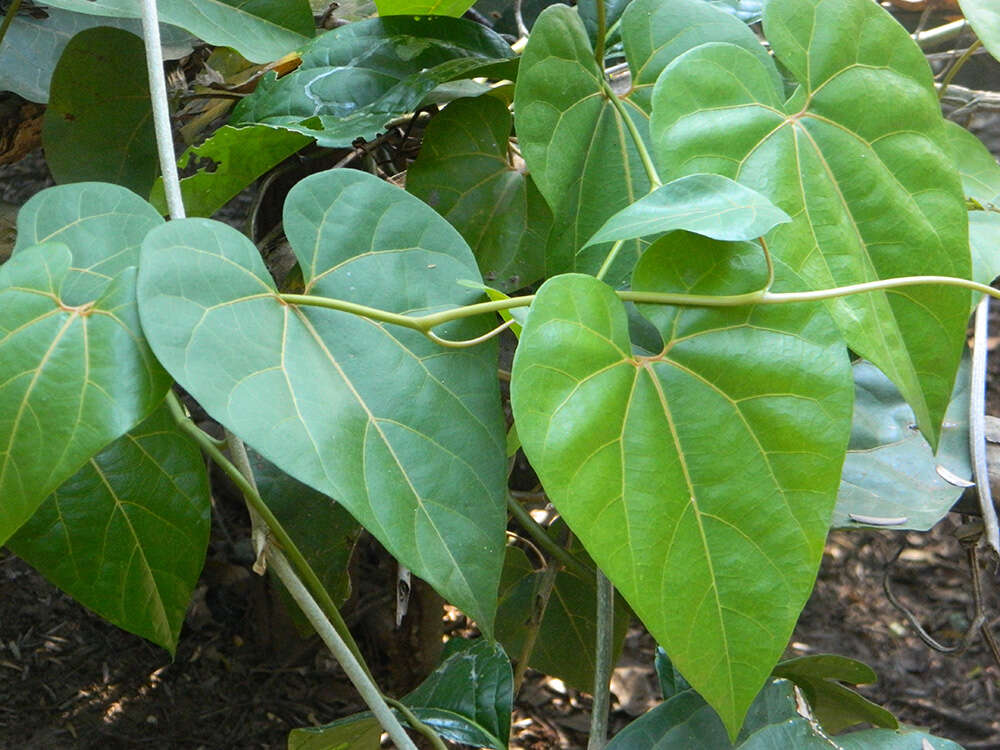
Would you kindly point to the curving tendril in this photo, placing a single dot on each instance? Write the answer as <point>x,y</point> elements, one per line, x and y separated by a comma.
<point>470,342</point>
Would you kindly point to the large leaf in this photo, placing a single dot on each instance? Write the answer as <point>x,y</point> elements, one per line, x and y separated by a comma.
<point>844,170</point>
<point>32,47</point>
<point>354,79</point>
<point>707,204</point>
<point>700,478</point>
<point>73,377</point>
<point>229,160</point>
<point>468,699</point>
<point>126,535</point>
<point>776,720</point>
<point>75,371</point>
<point>564,646</point>
<point>464,172</point>
<point>891,474</point>
<point>81,141</point>
<point>406,435</point>
<point>574,140</point>
<point>984,18</point>
<point>104,225</point>
<point>260,30</point>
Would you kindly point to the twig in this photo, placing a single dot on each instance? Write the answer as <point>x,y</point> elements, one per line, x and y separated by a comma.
<point>546,582</point>
<point>602,667</point>
<point>977,424</point>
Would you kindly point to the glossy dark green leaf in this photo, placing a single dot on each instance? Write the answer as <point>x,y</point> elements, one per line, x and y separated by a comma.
<point>408,436</point>
<point>776,721</point>
<point>707,204</point>
<point>229,160</point>
<point>846,172</point>
<point>564,646</point>
<point>475,684</point>
<point>32,47</point>
<point>574,140</point>
<point>837,707</point>
<point>321,528</point>
<point>260,30</point>
<point>891,476</point>
<point>671,681</point>
<point>126,535</point>
<point>73,378</point>
<point>716,561</point>
<point>464,172</point>
<point>984,18</point>
<point>354,79</point>
<point>81,141</point>
<point>467,699</point>
<point>103,225</point>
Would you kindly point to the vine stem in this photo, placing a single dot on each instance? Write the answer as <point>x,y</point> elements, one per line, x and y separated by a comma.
<point>602,666</point>
<point>161,109</point>
<point>602,32</point>
<point>371,695</point>
<point>543,540</point>
<point>640,145</point>
<point>424,323</point>
<point>977,426</point>
<point>959,64</point>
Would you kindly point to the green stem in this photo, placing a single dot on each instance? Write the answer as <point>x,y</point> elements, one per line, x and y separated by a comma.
<point>411,718</point>
<point>612,254</point>
<point>640,145</point>
<point>537,533</point>
<point>602,32</point>
<point>358,675</point>
<point>208,444</point>
<point>602,665</point>
<point>8,19</point>
<point>424,323</point>
<point>959,64</point>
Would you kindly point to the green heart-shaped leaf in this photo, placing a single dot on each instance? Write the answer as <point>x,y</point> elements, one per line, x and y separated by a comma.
<point>465,173</point>
<point>126,535</point>
<point>73,377</point>
<point>406,435</point>
<point>700,478</point>
<point>984,18</point>
<point>574,140</point>
<point>844,170</point>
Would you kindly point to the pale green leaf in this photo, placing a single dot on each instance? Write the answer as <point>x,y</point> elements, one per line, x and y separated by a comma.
<point>717,557</point>
<point>890,471</point>
<point>32,47</point>
<point>406,435</point>
<point>260,30</point>
<point>422,7</point>
<point>126,535</point>
<point>873,190</point>
<point>73,378</point>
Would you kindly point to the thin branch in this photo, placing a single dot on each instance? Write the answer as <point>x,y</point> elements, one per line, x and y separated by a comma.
<point>977,424</point>
<point>358,676</point>
<point>161,109</point>
<point>957,66</point>
<point>411,718</point>
<point>940,34</point>
<point>612,254</point>
<point>640,145</point>
<point>546,582</point>
<point>544,541</point>
<point>602,32</point>
<point>603,666</point>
